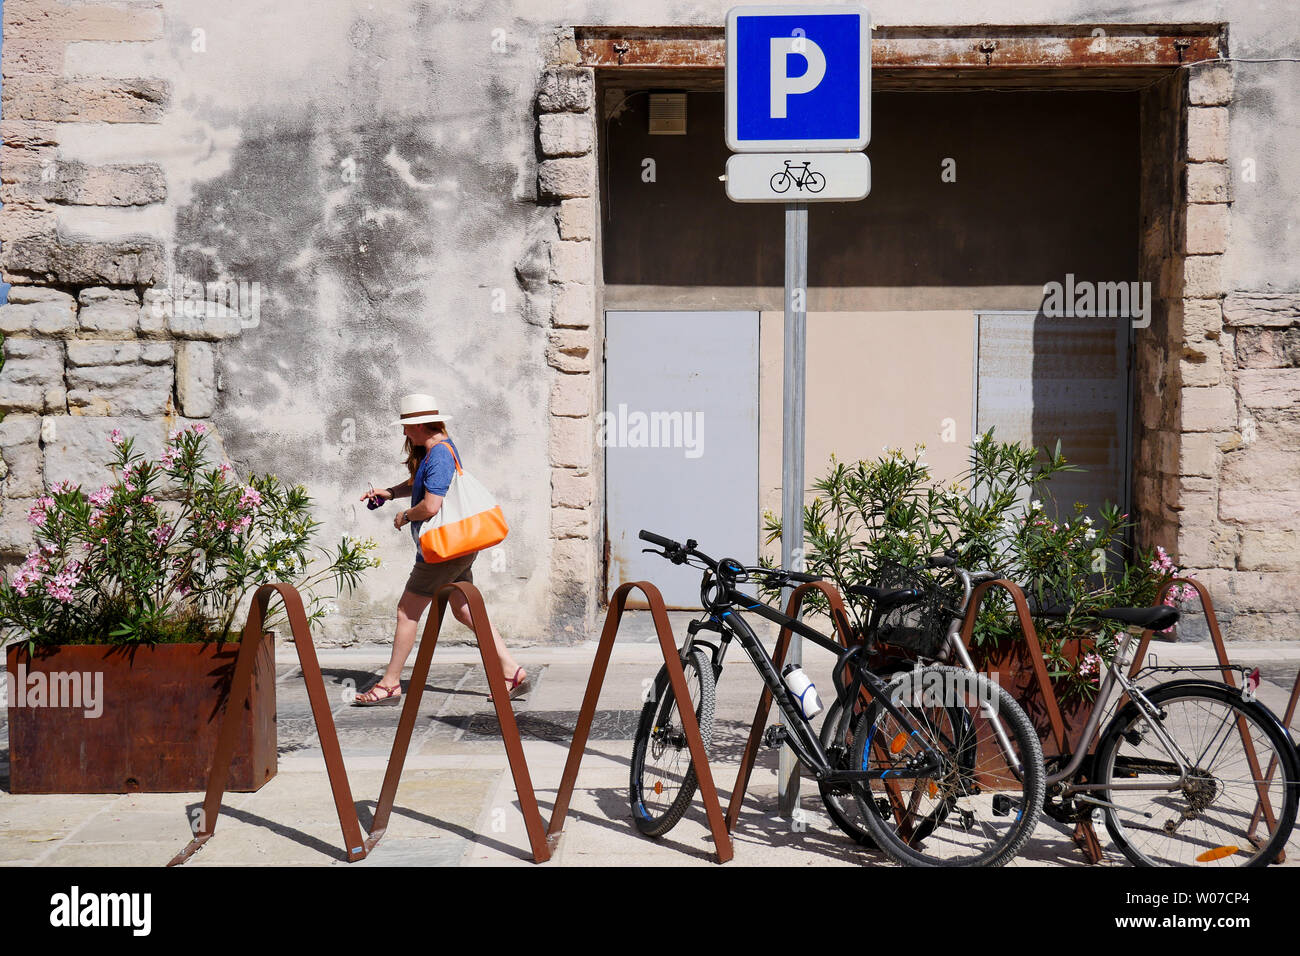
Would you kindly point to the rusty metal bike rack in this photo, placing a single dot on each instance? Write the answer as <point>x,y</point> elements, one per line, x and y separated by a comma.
<point>1262,806</point>
<point>1085,837</point>
<point>843,630</point>
<point>355,847</point>
<point>239,688</point>
<point>672,660</point>
<point>500,699</point>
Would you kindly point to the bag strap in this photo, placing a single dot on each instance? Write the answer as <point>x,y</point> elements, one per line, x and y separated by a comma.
<point>454,457</point>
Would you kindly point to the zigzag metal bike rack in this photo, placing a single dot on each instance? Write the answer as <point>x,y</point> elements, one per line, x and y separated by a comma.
<point>355,847</point>
<point>240,685</point>
<point>1262,806</point>
<point>672,660</point>
<point>500,700</point>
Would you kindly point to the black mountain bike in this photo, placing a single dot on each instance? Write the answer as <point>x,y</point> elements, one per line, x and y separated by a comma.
<point>926,751</point>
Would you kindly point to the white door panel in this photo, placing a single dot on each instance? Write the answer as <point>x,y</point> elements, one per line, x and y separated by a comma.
<point>680,431</point>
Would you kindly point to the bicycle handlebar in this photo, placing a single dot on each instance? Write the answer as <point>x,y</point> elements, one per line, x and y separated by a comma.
<point>678,553</point>
<point>666,543</point>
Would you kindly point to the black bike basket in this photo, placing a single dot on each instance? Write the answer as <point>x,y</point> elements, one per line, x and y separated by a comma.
<point>921,625</point>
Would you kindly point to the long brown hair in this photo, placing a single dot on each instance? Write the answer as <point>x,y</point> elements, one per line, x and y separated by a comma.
<point>415,453</point>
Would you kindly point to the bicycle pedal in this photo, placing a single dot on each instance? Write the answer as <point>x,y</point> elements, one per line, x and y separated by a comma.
<point>774,736</point>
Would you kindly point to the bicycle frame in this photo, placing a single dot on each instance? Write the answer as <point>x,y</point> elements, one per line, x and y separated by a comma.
<point>1115,676</point>
<point>806,745</point>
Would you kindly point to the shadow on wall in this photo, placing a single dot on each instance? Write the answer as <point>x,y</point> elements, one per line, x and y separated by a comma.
<point>348,233</point>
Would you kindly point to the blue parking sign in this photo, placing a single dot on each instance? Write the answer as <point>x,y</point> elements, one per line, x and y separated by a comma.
<point>798,78</point>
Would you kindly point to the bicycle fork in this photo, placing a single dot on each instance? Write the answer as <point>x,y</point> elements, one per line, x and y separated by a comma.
<point>987,712</point>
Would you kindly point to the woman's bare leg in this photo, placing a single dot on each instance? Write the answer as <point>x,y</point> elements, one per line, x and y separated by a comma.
<point>409,610</point>
<point>460,608</point>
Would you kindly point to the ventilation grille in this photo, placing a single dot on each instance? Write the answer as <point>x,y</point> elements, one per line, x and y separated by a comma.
<point>667,114</point>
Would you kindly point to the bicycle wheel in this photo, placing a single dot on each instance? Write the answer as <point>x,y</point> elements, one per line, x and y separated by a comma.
<point>816,182</point>
<point>973,809</point>
<point>1214,816</point>
<point>663,776</point>
<point>780,182</point>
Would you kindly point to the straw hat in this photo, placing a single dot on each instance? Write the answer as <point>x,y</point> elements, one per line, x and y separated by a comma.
<point>417,408</point>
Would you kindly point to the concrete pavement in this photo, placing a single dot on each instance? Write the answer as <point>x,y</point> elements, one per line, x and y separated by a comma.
<point>457,805</point>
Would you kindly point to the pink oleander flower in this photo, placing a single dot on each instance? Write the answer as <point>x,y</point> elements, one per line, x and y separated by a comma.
<point>116,436</point>
<point>199,428</point>
<point>101,496</point>
<point>61,486</point>
<point>251,498</point>
<point>168,459</point>
<point>162,535</point>
<point>149,499</point>
<point>221,526</point>
<point>1090,666</point>
<point>225,469</point>
<point>60,592</point>
<point>36,514</point>
<point>242,524</point>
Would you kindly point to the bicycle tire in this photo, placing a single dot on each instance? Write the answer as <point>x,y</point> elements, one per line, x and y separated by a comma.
<point>816,182</point>
<point>841,805</point>
<point>1213,833</point>
<point>656,805</point>
<point>974,810</point>
<point>780,178</point>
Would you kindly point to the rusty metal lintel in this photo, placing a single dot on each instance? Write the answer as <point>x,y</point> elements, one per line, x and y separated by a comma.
<point>1073,47</point>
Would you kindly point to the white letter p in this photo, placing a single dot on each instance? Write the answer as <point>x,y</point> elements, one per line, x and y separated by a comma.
<point>783,84</point>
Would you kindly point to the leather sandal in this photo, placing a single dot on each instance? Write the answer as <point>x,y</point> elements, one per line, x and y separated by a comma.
<point>516,685</point>
<point>378,695</point>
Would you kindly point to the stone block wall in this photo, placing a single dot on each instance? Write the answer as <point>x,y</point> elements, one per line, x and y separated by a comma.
<point>566,181</point>
<point>1217,469</point>
<point>89,343</point>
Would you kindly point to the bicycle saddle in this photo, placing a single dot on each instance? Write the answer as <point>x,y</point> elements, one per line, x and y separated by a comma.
<point>885,597</point>
<point>1149,618</point>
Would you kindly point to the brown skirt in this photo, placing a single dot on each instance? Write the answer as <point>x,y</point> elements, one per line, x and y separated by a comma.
<point>427,578</point>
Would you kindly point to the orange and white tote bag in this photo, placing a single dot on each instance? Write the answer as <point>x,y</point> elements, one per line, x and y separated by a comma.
<point>469,520</point>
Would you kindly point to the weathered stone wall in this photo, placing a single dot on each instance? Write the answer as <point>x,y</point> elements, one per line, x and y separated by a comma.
<point>415,189</point>
<point>83,351</point>
<point>1217,469</point>
<point>566,179</point>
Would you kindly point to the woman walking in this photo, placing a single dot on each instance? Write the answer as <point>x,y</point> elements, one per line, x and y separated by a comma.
<point>431,461</point>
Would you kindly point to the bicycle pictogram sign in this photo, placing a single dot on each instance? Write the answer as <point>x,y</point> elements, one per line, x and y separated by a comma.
<point>800,175</point>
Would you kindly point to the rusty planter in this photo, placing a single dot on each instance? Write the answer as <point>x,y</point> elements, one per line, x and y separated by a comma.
<point>1010,662</point>
<point>161,708</point>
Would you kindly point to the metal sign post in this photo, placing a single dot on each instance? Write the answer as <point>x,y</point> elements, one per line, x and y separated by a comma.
<point>792,457</point>
<point>798,118</point>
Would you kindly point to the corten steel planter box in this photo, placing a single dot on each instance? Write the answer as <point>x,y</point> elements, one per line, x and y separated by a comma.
<point>162,711</point>
<point>1010,661</point>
